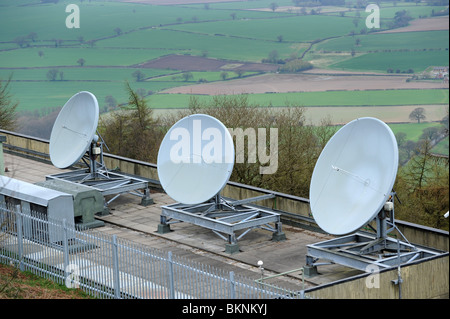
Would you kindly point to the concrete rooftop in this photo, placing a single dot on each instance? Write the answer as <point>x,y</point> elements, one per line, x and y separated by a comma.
<point>137,223</point>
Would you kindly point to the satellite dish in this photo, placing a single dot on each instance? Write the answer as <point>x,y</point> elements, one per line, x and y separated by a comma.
<point>74,129</point>
<point>195,159</point>
<point>354,176</point>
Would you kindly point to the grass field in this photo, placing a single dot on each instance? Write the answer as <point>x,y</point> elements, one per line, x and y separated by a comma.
<point>56,93</point>
<point>331,98</point>
<point>381,61</point>
<point>99,18</point>
<point>292,29</point>
<point>221,47</point>
<point>77,73</point>
<point>413,131</point>
<point>442,147</point>
<point>97,56</point>
<point>388,9</point>
<point>388,41</point>
<point>226,30</point>
<point>44,93</point>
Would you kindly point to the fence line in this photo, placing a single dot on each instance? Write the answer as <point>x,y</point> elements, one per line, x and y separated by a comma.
<point>105,266</point>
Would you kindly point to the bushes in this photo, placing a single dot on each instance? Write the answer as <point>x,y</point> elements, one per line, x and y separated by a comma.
<point>391,70</point>
<point>295,66</point>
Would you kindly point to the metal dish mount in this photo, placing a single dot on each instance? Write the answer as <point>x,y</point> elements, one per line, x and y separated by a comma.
<point>365,251</point>
<point>224,217</point>
<point>97,176</point>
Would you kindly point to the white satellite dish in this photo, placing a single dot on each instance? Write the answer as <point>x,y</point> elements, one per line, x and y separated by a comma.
<point>195,159</point>
<point>354,176</point>
<point>74,129</point>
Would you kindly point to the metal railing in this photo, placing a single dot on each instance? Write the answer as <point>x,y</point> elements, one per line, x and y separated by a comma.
<point>106,266</point>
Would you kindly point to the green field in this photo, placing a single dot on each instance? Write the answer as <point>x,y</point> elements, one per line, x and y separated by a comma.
<point>292,29</point>
<point>42,93</point>
<point>413,131</point>
<point>97,56</point>
<point>442,147</point>
<point>409,41</point>
<point>77,73</point>
<point>98,19</point>
<point>381,61</point>
<point>379,52</point>
<point>225,30</point>
<point>330,98</point>
<point>197,44</point>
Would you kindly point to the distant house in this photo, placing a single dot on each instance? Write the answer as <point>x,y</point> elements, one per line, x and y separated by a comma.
<point>440,72</point>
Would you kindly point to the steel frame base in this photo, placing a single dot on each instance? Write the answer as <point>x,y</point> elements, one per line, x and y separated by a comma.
<point>99,178</point>
<point>364,251</point>
<point>224,218</point>
<point>108,183</point>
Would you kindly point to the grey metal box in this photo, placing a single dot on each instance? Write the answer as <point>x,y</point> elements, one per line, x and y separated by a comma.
<point>55,204</point>
<point>86,201</point>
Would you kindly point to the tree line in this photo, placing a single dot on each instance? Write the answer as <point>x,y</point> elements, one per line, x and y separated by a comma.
<point>133,131</point>
<point>422,182</point>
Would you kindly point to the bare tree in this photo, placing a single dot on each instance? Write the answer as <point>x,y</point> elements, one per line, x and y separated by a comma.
<point>33,36</point>
<point>132,131</point>
<point>8,108</point>
<point>299,145</point>
<point>187,76</point>
<point>52,74</point>
<point>110,101</point>
<point>139,75</point>
<point>81,61</point>
<point>273,6</point>
<point>417,114</point>
<point>223,75</point>
<point>423,185</point>
<point>21,41</point>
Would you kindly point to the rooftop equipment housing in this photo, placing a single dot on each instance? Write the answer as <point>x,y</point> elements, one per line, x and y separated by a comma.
<point>55,205</point>
<point>87,202</point>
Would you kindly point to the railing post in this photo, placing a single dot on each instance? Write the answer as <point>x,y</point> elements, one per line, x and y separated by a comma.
<point>232,286</point>
<point>171,283</point>
<point>116,278</point>
<point>19,236</point>
<point>65,248</point>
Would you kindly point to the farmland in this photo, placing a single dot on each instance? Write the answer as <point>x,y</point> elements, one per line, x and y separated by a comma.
<point>185,49</point>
